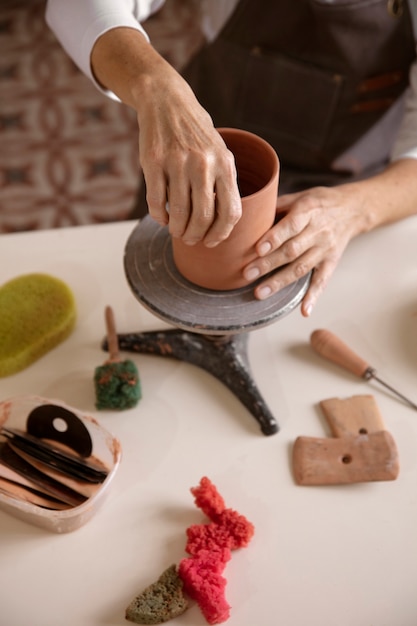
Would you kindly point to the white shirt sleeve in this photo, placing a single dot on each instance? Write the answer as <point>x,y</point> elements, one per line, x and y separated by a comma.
<point>405,145</point>
<point>79,23</point>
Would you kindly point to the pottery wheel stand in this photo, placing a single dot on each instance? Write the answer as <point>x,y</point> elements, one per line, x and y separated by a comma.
<point>212,327</point>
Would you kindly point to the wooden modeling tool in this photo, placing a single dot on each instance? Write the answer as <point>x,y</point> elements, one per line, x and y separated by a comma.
<point>117,384</point>
<point>329,346</point>
<point>361,449</point>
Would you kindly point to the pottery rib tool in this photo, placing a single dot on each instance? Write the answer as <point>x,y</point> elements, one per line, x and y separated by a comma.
<point>358,415</point>
<point>360,450</point>
<point>27,494</point>
<point>57,459</point>
<point>13,483</point>
<point>10,458</point>
<point>345,460</point>
<point>329,346</point>
<point>116,382</point>
<point>86,489</point>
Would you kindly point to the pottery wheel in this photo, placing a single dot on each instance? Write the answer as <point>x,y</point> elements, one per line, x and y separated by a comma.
<point>155,281</point>
<point>211,326</point>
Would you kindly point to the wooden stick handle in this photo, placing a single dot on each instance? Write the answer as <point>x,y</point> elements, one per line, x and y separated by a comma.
<point>112,340</point>
<point>332,348</point>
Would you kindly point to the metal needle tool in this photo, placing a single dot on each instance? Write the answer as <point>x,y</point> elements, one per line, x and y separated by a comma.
<point>332,348</point>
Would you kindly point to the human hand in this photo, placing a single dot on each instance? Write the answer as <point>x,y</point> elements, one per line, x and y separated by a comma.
<point>190,174</point>
<point>186,164</point>
<point>313,233</point>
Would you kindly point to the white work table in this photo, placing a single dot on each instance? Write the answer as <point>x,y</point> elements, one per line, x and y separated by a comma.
<point>321,556</point>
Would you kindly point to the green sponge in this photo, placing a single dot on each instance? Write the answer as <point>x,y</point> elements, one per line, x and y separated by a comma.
<point>160,602</point>
<point>37,312</point>
<point>116,383</point>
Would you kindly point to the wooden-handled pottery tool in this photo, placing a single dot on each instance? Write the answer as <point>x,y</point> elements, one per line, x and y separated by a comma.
<point>116,382</point>
<point>329,346</point>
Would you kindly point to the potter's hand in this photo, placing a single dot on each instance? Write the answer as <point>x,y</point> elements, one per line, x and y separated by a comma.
<point>319,223</point>
<point>313,233</point>
<point>186,164</point>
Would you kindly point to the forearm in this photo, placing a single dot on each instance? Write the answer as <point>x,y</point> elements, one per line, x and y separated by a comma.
<point>387,197</point>
<point>78,24</point>
<point>123,61</point>
<point>184,160</point>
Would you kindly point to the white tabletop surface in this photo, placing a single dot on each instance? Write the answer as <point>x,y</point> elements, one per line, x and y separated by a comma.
<point>321,556</point>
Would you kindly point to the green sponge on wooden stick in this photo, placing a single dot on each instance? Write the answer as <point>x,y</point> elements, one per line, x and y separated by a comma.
<point>117,383</point>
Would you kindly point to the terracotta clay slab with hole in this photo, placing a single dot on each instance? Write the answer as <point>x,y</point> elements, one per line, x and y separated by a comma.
<point>344,460</point>
<point>361,450</point>
<point>352,416</point>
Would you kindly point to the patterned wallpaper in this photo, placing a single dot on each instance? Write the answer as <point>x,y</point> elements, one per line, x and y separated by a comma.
<point>68,154</point>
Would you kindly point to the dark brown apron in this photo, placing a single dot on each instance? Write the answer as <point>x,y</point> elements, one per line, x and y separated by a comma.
<point>313,78</point>
<point>322,81</point>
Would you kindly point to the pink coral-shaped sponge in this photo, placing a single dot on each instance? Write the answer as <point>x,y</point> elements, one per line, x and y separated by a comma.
<point>210,548</point>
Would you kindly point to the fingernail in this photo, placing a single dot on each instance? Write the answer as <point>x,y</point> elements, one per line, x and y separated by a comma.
<point>264,292</point>
<point>264,248</point>
<point>308,309</point>
<point>212,244</point>
<point>252,273</point>
<point>190,242</point>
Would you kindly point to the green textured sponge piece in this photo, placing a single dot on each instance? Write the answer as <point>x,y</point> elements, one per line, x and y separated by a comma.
<point>117,385</point>
<point>37,312</point>
<point>160,602</point>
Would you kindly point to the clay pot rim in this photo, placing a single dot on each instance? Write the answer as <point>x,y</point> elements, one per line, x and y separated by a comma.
<point>239,131</point>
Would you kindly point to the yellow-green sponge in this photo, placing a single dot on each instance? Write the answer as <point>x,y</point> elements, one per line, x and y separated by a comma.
<point>37,312</point>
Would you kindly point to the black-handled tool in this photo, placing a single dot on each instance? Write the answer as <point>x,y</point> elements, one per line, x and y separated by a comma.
<point>77,468</point>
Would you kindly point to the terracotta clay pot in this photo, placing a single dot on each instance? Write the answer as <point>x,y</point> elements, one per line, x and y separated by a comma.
<point>220,268</point>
